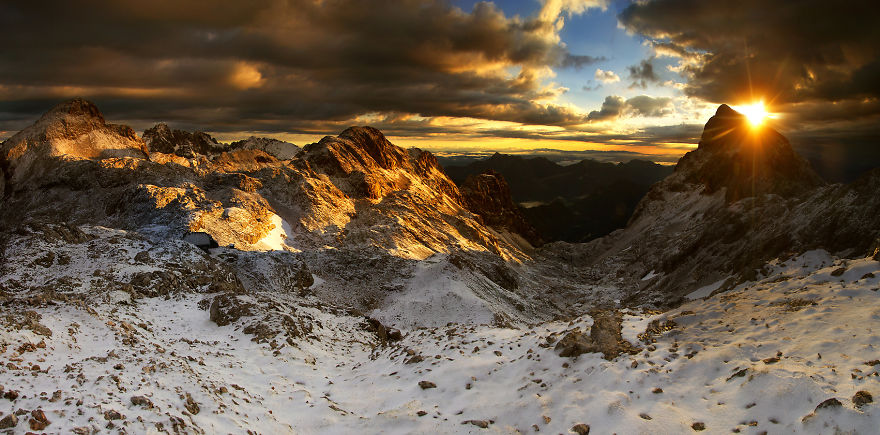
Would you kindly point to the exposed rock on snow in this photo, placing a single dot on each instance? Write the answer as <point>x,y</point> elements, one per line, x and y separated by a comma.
<point>605,337</point>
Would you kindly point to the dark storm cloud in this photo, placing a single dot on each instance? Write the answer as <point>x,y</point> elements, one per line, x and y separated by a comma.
<point>798,51</point>
<point>270,63</point>
<point>816,63</point>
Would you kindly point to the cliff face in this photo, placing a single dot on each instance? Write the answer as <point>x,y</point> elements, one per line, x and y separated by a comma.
<point>488,195</point>
<point>162,139</point>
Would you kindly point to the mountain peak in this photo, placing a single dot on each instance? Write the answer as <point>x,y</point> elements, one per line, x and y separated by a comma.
<point>78,107</point>
<point>725,111</point>
<point>746,160</point>
<point>163,139</point>
<point>74,128</point>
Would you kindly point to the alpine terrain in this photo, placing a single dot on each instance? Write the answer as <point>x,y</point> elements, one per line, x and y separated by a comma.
<point>170,283</point>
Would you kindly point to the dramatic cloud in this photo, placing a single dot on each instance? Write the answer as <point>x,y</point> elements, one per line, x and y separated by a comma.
<point>612,107</point>
<point>643,105</point>
<point>810,50</point>
<point>606,76</point>
<point>285,65</point>
<point>649,106</point>
<point>816,63</point>
<point>642,74</point>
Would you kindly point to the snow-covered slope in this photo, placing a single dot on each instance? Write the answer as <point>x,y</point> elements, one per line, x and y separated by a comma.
<point>768,355</point>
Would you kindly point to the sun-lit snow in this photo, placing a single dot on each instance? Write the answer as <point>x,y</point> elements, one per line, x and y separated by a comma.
<point>759,357</point>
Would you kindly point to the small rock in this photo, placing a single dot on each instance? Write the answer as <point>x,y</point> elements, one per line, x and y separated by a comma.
<point>11,395</point>
<point>645,416</point>
<point>838,271</point>
<point>414,359</point>
<point>771,360</point>
<point>427,384</point>
<point>738,374</point>
<point>482,424</point>
<point>56,396</point>
<point>829,403</point>
<point>191,405</point>
<point>581,429</point>
<point>394,335</point>
<point>37,424</point>
<point>861,398</point>
<point>9,422</point>
<point>657,391</point>
<point>421,413</point>
<point>142,401</point>
<point>698,426</point>
<point>112,415</point>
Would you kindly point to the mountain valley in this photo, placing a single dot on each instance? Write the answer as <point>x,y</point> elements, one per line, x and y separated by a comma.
<point>360,286</point>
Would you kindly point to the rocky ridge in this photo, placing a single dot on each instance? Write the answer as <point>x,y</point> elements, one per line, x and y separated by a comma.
<point>162,139</point>
<point>742,198</point>
<point>358,266</point>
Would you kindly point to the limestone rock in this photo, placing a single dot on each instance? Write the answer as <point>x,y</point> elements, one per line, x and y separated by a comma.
<point>74,129</point>
<point>163,139</point>
<point>488,195</point>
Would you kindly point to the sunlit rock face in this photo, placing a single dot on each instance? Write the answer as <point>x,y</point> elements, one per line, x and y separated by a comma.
<point>74,129</point>
<point>745,159</point>
<point>354,190</point>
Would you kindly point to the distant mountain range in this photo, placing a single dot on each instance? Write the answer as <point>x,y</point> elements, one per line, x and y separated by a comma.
<point>572,203</point>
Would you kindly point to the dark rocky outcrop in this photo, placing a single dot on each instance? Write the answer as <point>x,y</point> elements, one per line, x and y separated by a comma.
<point>162,139</point>
<point>746,160</point>
<point>488,195</point>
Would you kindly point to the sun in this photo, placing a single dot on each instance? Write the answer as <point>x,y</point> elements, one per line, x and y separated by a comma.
<point>756,113</point>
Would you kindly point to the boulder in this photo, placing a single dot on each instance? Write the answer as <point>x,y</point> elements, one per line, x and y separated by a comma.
<point>202,240</point>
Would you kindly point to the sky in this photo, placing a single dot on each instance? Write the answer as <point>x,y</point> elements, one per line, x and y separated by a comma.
<point>638,78</point>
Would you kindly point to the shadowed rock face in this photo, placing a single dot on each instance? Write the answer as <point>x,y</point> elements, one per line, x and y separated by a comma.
<point>488,195</point>
<point>162,139</point>
<point>742,198</point>
<point>746,160</point>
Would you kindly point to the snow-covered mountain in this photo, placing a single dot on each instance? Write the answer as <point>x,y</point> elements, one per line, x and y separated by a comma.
<point>357,288</point>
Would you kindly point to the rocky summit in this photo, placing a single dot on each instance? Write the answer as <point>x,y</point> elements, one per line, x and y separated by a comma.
<point>171,283</point>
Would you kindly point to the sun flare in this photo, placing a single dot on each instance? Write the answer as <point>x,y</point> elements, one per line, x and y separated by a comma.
<point>756,113</point>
